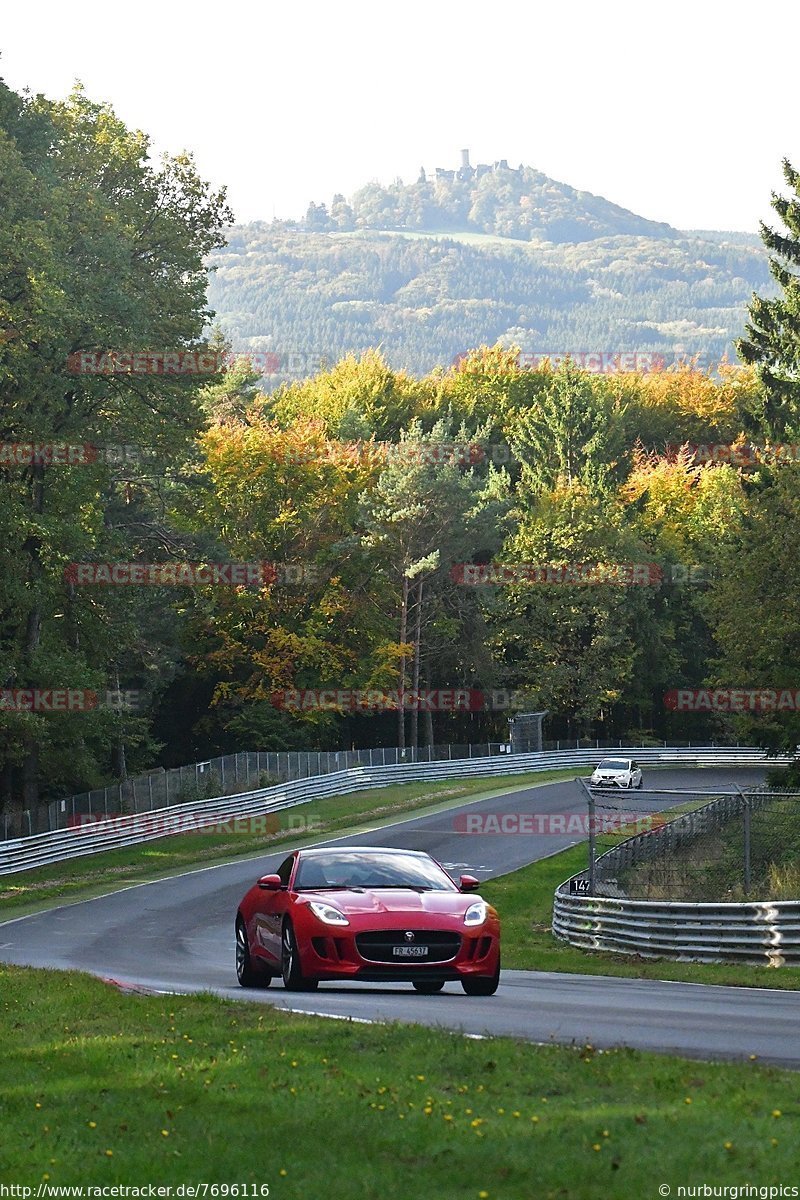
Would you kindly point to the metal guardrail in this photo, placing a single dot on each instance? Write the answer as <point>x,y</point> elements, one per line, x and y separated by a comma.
<point>765,933</point>
<point>760,932</point>
<point>58,845</point>
<point>232,774</point>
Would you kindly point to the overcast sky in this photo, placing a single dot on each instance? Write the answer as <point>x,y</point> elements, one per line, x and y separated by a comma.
<point>680,111</point>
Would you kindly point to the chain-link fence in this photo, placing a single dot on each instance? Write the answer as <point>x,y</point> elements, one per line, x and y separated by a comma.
<point>247,770</point>
<point>233,773</point>
<point>693,845</point>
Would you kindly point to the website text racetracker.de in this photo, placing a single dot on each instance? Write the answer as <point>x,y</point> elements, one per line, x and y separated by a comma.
<point>184,1191</point>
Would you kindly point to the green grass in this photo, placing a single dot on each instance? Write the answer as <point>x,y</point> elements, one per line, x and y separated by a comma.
<point>524,900</point>
<point>104,1089</point>
<point>96,874</point>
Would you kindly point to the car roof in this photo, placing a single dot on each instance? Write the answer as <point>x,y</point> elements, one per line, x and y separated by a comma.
<point>312,851</point>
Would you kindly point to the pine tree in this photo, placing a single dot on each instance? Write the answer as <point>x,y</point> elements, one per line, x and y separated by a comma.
<point>772,341</point>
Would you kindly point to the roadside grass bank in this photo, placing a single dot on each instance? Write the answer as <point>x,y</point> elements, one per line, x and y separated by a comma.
<point>103,1089</point>
<point>95,874</point>
<point>524,900</point>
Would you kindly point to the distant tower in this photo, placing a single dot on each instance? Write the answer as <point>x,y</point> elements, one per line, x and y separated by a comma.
<point>464,158</point>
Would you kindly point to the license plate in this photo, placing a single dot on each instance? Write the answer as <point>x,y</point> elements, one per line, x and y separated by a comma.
<point>410,951</point>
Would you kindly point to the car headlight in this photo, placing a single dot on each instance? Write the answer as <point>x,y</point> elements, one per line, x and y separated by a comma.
<point>327,913</point>
<point>476,913</point>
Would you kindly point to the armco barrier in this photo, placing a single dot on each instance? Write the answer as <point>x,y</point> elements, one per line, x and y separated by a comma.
<point>60,844</point>
<point>760,932</point>
<point>750,932</point>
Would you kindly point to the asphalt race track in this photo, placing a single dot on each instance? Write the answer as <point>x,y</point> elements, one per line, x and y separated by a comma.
<point>176,935</point>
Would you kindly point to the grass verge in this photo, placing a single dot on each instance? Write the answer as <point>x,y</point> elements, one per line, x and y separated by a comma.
<point>80,878</point>
<point>104,1089</point>
<point>524,900</point>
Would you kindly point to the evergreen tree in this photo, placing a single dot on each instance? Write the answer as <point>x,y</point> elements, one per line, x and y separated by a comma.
<point>772,341</point>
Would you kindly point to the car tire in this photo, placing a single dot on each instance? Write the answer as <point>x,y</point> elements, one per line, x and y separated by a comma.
<point>481,985</point>
<point>246,973</point>
<point>293,978</point>
<point>640,784</point>
<point>428,987</point>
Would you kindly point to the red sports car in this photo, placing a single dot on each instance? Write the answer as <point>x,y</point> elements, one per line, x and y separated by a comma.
<point>367,914</point>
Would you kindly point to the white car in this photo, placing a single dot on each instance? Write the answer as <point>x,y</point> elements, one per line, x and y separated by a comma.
<point>617,772</point>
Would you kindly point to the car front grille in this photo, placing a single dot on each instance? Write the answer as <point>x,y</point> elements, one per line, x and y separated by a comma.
<point>379,946</point>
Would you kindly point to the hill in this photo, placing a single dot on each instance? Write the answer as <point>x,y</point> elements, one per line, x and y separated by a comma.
<point>480,255</point>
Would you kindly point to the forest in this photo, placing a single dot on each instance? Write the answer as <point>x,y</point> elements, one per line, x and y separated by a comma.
<point>204,549</point>
<point>428,270</point>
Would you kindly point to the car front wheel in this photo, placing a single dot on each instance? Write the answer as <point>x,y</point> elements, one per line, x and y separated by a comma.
<point>293,979</point>
<point>428,987</point>
<point>481,985</point>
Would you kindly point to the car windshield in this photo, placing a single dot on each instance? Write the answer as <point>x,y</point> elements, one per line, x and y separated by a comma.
<point>350,869</point>
<point>613,764</point>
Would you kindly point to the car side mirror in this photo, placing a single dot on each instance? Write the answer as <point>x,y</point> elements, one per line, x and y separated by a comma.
<point>270,883</point>
<point>469,883</point>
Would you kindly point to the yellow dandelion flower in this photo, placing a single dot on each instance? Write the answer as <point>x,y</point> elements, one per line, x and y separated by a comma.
<point>728,1145</point>
<point>109,1153</point>
<point>688,1100</point>
<point>776,1112</point>
<point>596,1146</point>
<point>165,1133</point>
<point>93,1124</point>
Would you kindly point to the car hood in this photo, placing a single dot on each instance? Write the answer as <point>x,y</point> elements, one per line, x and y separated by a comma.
<point>394,900</point>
